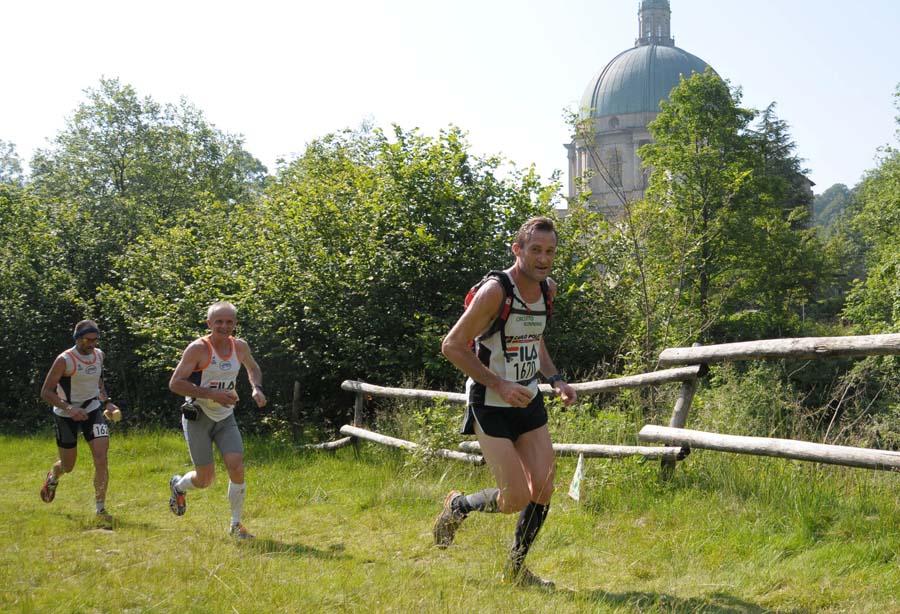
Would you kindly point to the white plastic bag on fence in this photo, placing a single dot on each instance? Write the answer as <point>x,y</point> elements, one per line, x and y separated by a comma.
<point>575,486</point>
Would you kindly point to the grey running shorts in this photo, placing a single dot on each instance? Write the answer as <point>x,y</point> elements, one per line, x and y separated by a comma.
<point>204,431</point>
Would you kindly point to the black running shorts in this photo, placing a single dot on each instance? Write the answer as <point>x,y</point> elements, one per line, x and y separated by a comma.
<point>506,422</point>
<point>67,429</point>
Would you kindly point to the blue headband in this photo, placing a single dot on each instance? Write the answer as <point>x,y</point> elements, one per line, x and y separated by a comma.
<point>85,331</point>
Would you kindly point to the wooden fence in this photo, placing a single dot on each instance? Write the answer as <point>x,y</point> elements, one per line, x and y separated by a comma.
<point>687,376</point>
<point>679,440</point>
<point>799,348</point>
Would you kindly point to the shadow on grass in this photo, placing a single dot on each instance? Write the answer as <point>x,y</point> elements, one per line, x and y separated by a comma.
<point>715,603</point>
<point>107,524</point>
<point>272,546</point>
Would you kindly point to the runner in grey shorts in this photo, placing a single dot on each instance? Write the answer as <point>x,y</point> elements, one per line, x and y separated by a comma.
<point>207,377</point>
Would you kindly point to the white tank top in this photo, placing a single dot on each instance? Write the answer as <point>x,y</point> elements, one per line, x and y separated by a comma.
<point>81,380</point>
<point>219,372</point>
<point>522,361</point>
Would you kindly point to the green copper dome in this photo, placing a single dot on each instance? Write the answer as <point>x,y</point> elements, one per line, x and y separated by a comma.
<point>636,80</point>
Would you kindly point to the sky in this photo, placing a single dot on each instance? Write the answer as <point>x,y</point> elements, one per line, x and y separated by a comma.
<point>506,71</point>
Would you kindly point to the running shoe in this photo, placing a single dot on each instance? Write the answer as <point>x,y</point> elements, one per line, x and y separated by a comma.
<point>48,490</point>
<point>239,531</point>
<point>105,519</point>
<point>177,502</point>
<point>523,577</point>
<point>447,521</point>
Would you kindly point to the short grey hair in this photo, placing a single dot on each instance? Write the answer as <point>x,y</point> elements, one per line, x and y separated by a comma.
<point>218,306</point>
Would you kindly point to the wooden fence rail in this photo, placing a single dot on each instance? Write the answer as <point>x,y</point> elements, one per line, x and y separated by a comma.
<point>394,442</point>
<point>781,448</point>
<point>653,378</point>
<point>596,450</point>
<point>803,347</point>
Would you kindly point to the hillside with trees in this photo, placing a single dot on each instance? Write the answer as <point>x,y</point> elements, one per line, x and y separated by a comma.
<point>350,261</point>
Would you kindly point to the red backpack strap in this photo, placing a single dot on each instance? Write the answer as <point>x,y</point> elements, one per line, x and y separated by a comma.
<point>505,307</point>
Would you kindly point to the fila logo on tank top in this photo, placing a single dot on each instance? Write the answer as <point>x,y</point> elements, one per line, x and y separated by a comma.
<point>220,372</point>
<point>515,357</point>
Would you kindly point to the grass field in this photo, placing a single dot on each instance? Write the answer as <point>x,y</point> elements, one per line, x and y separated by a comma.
<point>346,532</point>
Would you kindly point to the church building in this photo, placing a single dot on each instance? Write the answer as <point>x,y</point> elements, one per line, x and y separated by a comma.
<point>617,106</point>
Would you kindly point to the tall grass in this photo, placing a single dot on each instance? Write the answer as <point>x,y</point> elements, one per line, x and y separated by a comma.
<point>350,531</point>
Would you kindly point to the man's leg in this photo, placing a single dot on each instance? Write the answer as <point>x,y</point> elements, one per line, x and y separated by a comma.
<point>510,495</point>
<point>230,443</point>
<point>100,453</point>
<point>199,441</point>
<point>65,464</point>
<point>237,491</point>
<point>536,452</point>
<point>505,463</point>
<point>66,444</point>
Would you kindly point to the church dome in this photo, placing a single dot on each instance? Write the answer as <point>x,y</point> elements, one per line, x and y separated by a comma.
<point>636,80</point>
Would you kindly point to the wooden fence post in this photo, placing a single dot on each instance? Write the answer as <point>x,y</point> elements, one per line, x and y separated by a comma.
<point>679,418</point>
<point>359,405</point>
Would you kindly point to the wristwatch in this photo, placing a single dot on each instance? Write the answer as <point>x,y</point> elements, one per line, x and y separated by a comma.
<point>556,377</point>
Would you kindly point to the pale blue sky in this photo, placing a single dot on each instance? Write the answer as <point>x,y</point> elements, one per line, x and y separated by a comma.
<point>284,73</point>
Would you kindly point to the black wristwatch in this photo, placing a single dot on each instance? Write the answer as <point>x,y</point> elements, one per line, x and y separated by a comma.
<point>555,378</point>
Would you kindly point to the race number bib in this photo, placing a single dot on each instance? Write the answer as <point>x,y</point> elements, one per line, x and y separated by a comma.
<point>101,430</point>
<point>522,359</point>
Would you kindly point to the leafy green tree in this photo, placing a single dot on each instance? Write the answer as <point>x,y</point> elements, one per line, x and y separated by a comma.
<point>874,302</point>
<point>829,206</point>
<point>124,165</point>
<point>779,170</point>
<point>722,226</point>
<point>10,164</point>
<point>39,304</point>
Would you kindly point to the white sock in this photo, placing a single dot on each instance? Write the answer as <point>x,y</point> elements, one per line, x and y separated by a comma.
<point>236,494</point>
<point>101,505</point>
<point>185,484</point>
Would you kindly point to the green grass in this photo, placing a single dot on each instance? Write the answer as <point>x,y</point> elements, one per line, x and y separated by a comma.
<point>341,532</point>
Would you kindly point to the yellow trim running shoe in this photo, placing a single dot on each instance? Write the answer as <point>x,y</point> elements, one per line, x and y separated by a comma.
<point>447,521</point>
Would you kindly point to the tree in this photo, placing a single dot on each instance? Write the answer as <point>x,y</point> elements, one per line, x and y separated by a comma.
<point>10,164</point>
<point>722,233</point>
<point>39,303</point>
<point>874,301</point>
<point>119,146</point>
<point>125,165</point>
<point>829,206</point>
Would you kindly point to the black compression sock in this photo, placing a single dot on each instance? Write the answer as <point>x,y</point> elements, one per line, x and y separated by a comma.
<point>531,519</point>
<point>481,501</point>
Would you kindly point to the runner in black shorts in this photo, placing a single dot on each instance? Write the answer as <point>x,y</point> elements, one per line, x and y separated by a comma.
<point>505,408</point>
<point>74,387</point>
